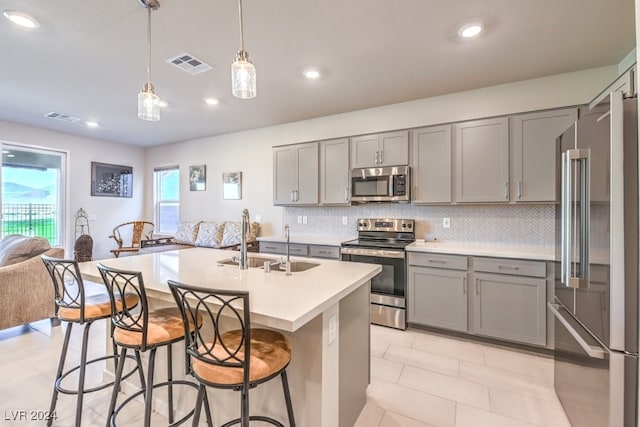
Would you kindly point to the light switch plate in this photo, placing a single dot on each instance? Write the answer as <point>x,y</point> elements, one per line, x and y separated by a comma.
<point>304,219</point>
<point>299,219</point>
<point>345,220</point>
<point>91,217</point>
<point>446,222</point>
<point>258,218</point>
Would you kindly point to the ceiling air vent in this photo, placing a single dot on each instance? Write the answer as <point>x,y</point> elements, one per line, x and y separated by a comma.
<point>62,117</point>
<point>189,63</point>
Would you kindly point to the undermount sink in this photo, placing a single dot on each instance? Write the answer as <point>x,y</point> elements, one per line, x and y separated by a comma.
<point>296,266</point>
<point>251,261</point>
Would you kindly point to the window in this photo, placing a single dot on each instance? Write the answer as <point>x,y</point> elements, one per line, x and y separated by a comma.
<point>166,199</point>
<point>32,194</point>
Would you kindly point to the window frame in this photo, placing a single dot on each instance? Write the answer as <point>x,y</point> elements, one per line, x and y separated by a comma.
<point>158,202</point>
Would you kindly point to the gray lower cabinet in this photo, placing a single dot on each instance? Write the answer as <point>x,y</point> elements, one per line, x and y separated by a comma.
<point>504,298</point>
<point>509,300</point>
<point>437,290</point>
<point>300,249</point>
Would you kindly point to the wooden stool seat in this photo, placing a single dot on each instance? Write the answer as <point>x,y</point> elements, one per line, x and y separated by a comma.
<point>97,307</point>
<point>165,326</point>
<point>270,354</point>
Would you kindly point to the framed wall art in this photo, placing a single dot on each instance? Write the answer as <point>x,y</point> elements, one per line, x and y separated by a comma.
<point>111,180</point>
<point>232,185</point>
<point>198,178</point>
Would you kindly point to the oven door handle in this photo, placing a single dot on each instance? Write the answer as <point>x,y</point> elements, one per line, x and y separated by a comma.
<point>591,350</point>
<point>374,252</point>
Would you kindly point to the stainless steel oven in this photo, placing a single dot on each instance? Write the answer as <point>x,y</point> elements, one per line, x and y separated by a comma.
<point>382,241</point>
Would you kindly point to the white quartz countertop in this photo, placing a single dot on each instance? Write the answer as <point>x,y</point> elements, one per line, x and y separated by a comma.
<point>308,239</point>
<point>544,253</point>
<point>278,301</point>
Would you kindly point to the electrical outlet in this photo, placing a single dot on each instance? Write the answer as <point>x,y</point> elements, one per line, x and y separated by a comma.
<point>299,219</point>
<point>304,219</point>
<point>258,218</point>
<point>345,220</point>
<point>91,217</point>
<point>446,222</point>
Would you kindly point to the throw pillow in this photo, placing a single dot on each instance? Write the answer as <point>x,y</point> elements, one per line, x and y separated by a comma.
<point>23,248</point>
<point>187,233</point>
<point>233,231</point>
<point>210,234</point>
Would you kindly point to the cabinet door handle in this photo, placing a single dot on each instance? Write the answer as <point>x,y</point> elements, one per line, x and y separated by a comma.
<point>381,156</point>
<point>477,287</point>
<point>464,285</point>
<point>520,190</point>
<point>346,193</point>
<point>506,190</point>
<point>292,199</point>
<point>508,267</point>
<point>377,155</point>
<point>295,195</point>
<point>437,261</point>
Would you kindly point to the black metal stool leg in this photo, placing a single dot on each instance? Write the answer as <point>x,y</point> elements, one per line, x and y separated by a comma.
<point>244,412</point>
<point>198,407</point>
<point>207,408</point>
<point>63,356</point>
<point>116,385</point>
<point>148,398</point>
<point>143,385</point>
<point>83,369</point>
<point>287,398</point>
<point>170,381</point>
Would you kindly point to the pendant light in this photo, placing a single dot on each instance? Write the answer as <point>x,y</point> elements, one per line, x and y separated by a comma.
<point>148,100</point>
<point>243,72</point>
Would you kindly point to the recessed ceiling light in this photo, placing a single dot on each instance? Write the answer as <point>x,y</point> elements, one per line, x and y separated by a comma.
<point>212,101</point>
<point>163,104</point>
<point>21,19</point>
<point>470,30</point>
<point>311,73</point>
<point>91,124</point>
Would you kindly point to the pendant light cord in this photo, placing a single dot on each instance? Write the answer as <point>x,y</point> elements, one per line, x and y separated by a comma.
<point>241,26</point>
<point>148,43</point>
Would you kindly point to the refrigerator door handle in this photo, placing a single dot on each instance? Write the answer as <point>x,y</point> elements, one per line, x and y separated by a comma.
<point>593,351</point>
<point>576,173</point>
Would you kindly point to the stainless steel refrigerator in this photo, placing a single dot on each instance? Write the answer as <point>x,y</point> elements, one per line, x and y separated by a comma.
<point>596,290</point>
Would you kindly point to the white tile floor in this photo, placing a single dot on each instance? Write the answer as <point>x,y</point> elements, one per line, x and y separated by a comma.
<point>418,379</point>
<point>421,379</point>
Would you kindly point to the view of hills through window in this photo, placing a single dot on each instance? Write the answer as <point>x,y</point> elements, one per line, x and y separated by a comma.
<point>30,193</point>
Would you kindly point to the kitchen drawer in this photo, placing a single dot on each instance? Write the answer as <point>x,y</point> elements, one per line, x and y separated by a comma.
<point>515,267</point>
<point>321,251</point>
<point>455,262</point>
<point>281,248</point>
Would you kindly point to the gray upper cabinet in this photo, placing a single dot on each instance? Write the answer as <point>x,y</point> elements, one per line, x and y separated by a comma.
<point>295,174</point>
<point>334,172</point>
<point>431,163</point>
<point>482,161</point>
<point>533,147</point>
<point>384,149</point>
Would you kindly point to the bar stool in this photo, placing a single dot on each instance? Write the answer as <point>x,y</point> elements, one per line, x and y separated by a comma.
<point>218,352</point>
<point>74,307</point>
<point>143,329</point>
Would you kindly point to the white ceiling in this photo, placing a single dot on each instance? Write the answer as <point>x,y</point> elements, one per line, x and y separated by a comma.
<point>88,58</point>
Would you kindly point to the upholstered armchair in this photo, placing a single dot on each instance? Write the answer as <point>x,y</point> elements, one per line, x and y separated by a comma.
<point>25,286</point>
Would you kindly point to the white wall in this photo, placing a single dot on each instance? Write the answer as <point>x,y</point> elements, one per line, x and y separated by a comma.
<point>82,151</point>
<point>250,151</point>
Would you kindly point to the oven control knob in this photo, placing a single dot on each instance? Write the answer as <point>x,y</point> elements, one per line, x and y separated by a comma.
<point>404,225</point>
<point>409,225</point>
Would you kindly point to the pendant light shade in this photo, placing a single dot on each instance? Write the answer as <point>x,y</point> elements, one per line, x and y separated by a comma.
<point>148,100</point>
<point>243,72</point>
<point>148,104</point>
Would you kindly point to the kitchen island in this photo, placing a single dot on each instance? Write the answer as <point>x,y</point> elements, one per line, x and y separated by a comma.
<point>324,311</point>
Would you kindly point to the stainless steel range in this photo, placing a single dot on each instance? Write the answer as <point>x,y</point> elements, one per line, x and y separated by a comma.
<point>382,241</point>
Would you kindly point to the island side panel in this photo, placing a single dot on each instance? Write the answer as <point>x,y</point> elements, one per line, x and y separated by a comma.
<point>355,353</point>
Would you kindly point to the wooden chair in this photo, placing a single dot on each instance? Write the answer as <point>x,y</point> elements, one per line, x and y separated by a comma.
<point>233,356</point>
<point>129,235</point>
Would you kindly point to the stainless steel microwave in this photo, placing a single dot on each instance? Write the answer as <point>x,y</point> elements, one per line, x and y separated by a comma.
<point>387,184</point>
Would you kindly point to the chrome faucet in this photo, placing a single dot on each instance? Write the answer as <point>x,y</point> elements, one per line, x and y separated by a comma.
<point>244,264</point>
<point>288,264</point>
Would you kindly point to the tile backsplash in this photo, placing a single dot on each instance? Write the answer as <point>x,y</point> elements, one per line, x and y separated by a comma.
<point>505,224</point>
